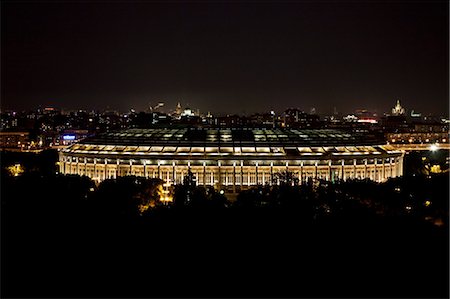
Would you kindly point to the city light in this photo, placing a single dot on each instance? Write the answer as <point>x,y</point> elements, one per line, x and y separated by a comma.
<point>15,170</point>
<point>68,137</point>
<point>434,147</point>
<point>165,196</point>
<point>435,169</point>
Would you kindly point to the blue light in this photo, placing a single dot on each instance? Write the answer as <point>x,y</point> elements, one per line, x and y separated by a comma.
<point>69,137</point>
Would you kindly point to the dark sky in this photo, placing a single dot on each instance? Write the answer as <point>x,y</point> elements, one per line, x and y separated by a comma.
<point>226,57</point>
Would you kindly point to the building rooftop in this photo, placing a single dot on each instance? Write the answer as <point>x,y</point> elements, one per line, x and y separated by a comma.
<point>230,142</point>
<point>231,137</point>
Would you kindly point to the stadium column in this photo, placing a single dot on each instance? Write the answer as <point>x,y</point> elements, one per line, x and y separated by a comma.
<point>400,166</point>
<point>95,168</point>
<point>301,172</point>
<point>106,169</point>
<point>145,169</point>
<point>287,168</point>
<point>242,173</point>
<point>256,172</point>
<point>343,170</point>
<point>383,170</point>
<point>390,167</point>
<point>204,173</point>
<point>315,170</point>
<point>70,166</point>
<point>117,168</point>
<point>85,167</point>
<point>263,178</point>
<point>365,169</point>
<point>219,176</point>
<point>354,168</point>
<point>182,176</point>
<point>329,171</point>
<point>159,170</point>
<point>77,167</point>
<point>131,166</point>
<point>189,169</point>
<point>174,177</point>
<point>234,177</point>
<point>375,178</point>
<point>271,173</point>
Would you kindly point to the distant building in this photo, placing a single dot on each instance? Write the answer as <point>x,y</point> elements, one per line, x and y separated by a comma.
<point>160,118</point>
<point>296,118</point>
<point>417,137</point>
<point>188,112</point>
<point>15,140</point>
<point>398,109</point>
<point>178,111</point>
<point>68,137</point>
<point>415,114</point>
<point>350,118</point>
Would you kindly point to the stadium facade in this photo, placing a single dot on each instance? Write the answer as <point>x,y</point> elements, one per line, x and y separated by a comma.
<point>232,159</point>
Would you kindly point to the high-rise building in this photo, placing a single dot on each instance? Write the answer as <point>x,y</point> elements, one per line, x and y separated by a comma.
<point>398,109</point>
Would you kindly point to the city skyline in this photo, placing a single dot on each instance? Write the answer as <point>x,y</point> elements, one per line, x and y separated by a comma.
<point>166,109</point>
<point>228,58</point>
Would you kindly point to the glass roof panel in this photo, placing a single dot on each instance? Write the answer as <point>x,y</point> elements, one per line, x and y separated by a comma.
<point>197,149</point>
<point>169,149</point>
<point>156,149</point>
<point>226,149</point>
<point>248,149</point>
<point>263,149</point>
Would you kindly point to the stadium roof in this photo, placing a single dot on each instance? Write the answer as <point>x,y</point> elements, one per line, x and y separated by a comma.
<point>232,137</point>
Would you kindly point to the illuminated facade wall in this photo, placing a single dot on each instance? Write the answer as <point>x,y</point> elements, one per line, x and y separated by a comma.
<point>236,172</point>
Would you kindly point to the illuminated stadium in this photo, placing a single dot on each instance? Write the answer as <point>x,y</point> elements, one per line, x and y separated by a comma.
<point>232,159</point>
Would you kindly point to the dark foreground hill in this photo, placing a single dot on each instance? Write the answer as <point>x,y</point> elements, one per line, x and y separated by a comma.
<point>221,254</point>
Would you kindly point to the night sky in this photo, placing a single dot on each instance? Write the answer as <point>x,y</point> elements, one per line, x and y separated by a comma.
<point>226,57</point>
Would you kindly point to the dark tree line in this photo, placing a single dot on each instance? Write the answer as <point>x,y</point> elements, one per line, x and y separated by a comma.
<point>63,235</point>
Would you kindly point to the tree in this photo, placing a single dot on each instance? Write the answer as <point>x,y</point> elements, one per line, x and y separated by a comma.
<point>184,193</point>
<point>285,178</point>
